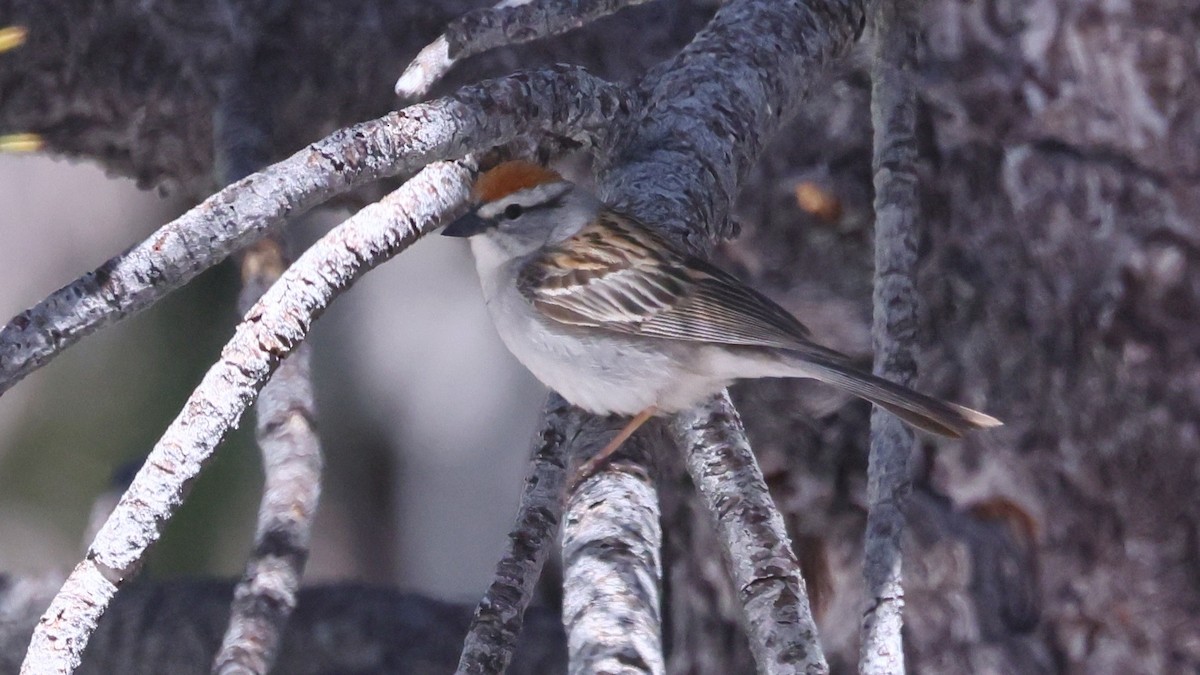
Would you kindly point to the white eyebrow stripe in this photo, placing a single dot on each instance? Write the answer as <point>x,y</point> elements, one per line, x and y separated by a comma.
<point>528,198</point>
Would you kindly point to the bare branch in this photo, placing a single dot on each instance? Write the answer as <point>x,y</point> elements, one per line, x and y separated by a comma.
<point>478,117</point>
<point>893,112</point>
<point>509,22</point>
<point>783,634</point>
<point>271,330</point>
<point>679,167</point>
<point>264,599</point>
<point>612,564</point>
<point>492,637</point>
<point>266,596</point>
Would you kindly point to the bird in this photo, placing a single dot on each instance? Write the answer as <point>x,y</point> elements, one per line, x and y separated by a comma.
<point>618,320</point>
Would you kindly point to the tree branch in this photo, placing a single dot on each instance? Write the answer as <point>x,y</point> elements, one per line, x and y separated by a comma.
<point>493,634</point>
<point>612,565</point>
<point>893,112</point>
<point>271,330</point>
<point>475,118</point>
<point>774,600</point>
<point>266,596</point>
<point>509,22</point>
<point>709,112</point>
<point>174,627</point>
<point>706,117</point>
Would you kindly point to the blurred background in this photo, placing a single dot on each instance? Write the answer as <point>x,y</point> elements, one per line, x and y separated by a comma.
<point>421,484</point>
<point>1059,279</point>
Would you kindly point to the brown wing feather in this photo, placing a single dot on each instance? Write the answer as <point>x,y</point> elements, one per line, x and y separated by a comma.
<point>620,277</point>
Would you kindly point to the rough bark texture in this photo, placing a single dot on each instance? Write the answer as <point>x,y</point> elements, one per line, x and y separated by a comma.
<point>507,23</point>
<point>612,559</point>
<point>764,568</point>
<point>1060,275</point>
<point>476,117</point>
<point>493,635</point>
<point>893,329</point>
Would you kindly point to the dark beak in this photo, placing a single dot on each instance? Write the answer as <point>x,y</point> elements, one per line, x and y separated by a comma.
<point>467,226</point>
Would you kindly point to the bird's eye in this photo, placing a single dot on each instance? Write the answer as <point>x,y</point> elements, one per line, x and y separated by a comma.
<point>512,211</point>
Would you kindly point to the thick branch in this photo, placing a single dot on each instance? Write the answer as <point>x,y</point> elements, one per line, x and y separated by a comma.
<point>706,117</point>
<point>174,627</point>
<point>612,566</point>
<point>493,634</point>
<point>476,118</point>
<point>774,600</point>
<point>893,112</point>
<point>710,111</point>
<point>271,330</point>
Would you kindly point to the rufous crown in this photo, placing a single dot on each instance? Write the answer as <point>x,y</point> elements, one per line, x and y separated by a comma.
<point>509,177</point>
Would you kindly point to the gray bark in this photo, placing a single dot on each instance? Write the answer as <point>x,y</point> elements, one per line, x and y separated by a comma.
<point>273,328</point>
<point>612,561</point>
<point>399,143</point>
<point>1058,273</point>
<point>507,23</point>
<point>496,627</point>
<point>893,331</point>
<point>765,571</point>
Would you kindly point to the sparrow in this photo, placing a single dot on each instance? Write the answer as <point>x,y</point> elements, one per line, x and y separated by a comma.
<point>617,320</point>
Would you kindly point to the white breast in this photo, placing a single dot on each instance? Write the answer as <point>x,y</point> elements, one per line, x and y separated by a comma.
<point>598,371</point>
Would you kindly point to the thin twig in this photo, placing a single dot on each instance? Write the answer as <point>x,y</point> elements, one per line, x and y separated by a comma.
<point>492,637</point>
<point>893,112</point>
<point>564,99</point>
<point>264,599</point>
<point>612,560</point>
<point>272,329</point>
<point>286,433</point>
<point>509,22</point>
<point>779,621</point>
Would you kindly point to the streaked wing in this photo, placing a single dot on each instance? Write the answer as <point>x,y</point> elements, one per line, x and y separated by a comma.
<point>622,278</point>
<point>608,274</point>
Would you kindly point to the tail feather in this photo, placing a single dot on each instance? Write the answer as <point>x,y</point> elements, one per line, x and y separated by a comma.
<point>921,411</point>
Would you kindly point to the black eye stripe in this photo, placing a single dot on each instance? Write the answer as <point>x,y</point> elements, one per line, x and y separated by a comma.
<point>513,211</point>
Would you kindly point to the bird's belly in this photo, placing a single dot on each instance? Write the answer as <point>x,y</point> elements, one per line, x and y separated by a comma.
<point>602,373</point>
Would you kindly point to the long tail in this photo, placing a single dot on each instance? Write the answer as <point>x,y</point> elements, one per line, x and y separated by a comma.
<point>919,410</point>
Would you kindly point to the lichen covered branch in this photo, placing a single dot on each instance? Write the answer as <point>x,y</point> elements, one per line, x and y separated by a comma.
<point>612,560</point>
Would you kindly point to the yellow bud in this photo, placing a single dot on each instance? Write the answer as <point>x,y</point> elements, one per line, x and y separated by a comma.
<point>12,37</point>
<point>21,143</point>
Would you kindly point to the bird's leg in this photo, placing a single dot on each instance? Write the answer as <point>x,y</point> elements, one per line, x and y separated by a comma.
<point>597,460</point>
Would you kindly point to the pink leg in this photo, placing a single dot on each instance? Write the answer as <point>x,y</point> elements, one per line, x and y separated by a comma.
<point>598,460</point>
